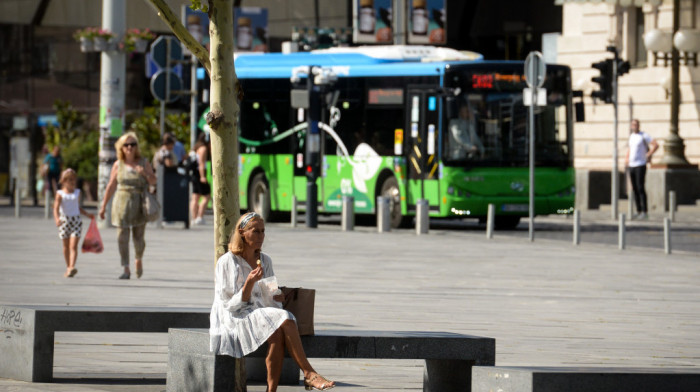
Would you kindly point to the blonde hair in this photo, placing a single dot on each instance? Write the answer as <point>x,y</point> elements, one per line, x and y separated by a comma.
<point>237,245</point>
<point>66,174</point>
<point>120,143</point>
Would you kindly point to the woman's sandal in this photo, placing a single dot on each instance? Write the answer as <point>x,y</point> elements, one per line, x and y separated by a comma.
<point>308,383</point>
<point>72,272</point>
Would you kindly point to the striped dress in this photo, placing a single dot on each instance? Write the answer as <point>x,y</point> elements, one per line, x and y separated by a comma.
<point>238,328</point>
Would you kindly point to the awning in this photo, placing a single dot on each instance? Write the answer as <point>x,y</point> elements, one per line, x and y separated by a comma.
<point>624,3</point>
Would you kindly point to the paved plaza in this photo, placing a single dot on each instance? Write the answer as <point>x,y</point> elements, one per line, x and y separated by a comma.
<point>546,303</point>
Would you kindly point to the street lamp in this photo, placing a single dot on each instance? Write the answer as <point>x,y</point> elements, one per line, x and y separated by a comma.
<point>665,43</point>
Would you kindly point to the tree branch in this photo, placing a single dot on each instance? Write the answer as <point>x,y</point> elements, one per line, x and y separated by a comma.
<point>180,31</point>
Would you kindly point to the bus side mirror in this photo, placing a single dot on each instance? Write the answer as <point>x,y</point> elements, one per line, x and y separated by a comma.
<point>579,108</point>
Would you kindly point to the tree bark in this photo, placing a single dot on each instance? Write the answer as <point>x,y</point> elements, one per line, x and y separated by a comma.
<point>223,121</point>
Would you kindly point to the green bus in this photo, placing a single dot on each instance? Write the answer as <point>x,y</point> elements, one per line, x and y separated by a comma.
<point>406,123</point>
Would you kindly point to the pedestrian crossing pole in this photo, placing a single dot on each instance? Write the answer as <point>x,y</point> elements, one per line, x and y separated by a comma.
<point>535,74</point>
<point>112,97</point>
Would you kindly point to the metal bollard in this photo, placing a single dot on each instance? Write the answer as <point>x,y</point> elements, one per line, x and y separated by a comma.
<point>672,205</point>
<point>47,203</point>
<point>347,219</point>
<point>294,211</point>
<point>577,227</point>
<point>422,217</point>
<point>383,215</point>
<point>667,236</point>
<point>18,200</point>
<point>490,217</point>
<point>621,232</point>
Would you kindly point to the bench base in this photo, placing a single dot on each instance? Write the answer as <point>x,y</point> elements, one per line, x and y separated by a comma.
<point>544,379</point>
<point>448,357</point>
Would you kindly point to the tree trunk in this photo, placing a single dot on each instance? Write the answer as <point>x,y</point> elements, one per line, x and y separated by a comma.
<point>223,121</point>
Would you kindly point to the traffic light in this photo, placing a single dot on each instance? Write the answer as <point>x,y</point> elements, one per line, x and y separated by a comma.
<point>605,80</point>
<point>622,67</point>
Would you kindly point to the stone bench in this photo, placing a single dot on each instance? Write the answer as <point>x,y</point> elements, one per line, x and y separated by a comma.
<point>580,379</point>
<point>27,332</point>
<point>448,356</point>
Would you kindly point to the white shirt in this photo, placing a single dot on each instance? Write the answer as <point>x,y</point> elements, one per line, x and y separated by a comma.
<point>638,148</point>
<point>70,203</point>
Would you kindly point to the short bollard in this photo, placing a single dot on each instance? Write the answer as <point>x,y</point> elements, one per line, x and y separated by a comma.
<point>294,211</point>
<point>667,236</point>
<point>348,216</point>
<point>621,232</point>
<point>422,217</point>
<point>672,205</point>
<point>490,216</point>
<point>47,204</point>
<point>577,227</point>
<point>18,201</point>
<point>383,215</point>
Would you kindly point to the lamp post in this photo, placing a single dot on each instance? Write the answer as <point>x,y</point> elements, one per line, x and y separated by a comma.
<point>662,43</point>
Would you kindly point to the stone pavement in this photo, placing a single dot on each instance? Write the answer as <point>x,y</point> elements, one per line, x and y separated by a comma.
<point>546,303</point>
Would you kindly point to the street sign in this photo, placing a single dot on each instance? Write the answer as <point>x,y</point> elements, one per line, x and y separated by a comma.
<point>159,87</point>
<point>159,51</point>
<point>535,70</point>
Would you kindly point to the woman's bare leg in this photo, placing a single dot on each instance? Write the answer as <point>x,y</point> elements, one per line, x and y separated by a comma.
<point>296,350</point>
<point>274,359</point>
<point>194,204</point>
<point>203,206</point>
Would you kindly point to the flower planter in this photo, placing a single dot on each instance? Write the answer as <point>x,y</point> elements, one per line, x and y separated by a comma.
<point>87,45</point>
<point>100,44</point>
<point>140,46</point>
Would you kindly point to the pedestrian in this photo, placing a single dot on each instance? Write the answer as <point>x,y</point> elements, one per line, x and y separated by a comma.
<point>165,156</point>
<point>240,320</point>
<point>641,147</point>
<point>201,191</point>
<point>130,177</point>
<point>54,165</point>
<point>66,214</point>
<point>178,148</point>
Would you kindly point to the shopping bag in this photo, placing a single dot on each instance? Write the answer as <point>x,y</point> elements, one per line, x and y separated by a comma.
<point>300,302</point>
<point>93,241</point>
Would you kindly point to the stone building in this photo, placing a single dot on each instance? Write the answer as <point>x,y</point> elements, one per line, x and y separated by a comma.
<point>645,93</point>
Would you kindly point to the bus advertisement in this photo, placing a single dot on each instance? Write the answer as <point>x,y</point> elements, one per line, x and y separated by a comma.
<point>406,123</point>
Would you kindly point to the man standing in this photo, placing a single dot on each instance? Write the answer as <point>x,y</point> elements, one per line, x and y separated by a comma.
<point>640,149</point>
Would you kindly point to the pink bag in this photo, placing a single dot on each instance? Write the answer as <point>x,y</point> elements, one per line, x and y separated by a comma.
<point>92,241</point>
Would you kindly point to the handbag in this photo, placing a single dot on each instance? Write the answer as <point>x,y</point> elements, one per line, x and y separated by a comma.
<point>151,207</point>
<point>300,302</point>
<point>93,240</point>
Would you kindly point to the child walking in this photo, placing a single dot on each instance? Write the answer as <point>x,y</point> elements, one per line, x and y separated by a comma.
<point>66,213</point>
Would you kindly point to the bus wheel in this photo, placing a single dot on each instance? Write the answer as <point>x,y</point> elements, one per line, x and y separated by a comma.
<point>390,189</point>
<point>506,222</point>
<point>259,196</point>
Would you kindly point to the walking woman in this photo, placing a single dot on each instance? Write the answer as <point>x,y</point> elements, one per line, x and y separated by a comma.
<point>130,177</point>
<point>240,322</point>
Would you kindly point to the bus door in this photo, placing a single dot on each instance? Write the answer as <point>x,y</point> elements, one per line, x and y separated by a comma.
<point>422,125</point>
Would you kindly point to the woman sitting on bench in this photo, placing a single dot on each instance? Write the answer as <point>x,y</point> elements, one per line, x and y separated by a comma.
<point>241,321</point>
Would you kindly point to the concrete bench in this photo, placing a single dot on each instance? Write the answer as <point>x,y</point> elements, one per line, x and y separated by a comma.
<point>27,332</point>
<point>575,379</point>
<point>448,356</point>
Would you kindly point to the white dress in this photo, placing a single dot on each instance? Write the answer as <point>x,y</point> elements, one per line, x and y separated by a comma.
<point>238,328</point>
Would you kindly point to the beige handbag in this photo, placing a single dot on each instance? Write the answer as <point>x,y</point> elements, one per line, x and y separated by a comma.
<point>151,207</point>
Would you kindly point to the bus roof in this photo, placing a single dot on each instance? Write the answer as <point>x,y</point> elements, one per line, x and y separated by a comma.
<point>394,60</point>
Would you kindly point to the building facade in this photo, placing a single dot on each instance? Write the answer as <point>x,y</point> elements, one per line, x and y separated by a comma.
<point>645,93</point>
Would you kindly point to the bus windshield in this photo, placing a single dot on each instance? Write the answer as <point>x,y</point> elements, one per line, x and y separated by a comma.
<point>488,123</point>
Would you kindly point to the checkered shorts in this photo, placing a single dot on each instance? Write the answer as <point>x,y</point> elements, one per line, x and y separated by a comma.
<point>71,226</point>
